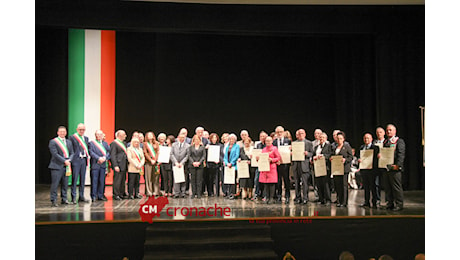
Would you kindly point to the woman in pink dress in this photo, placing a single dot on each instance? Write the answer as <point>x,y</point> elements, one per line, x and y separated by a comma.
<point>270,178</point>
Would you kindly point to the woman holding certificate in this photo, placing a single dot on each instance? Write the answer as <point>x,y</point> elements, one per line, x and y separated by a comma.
<point>247,182</point>
<point>214,166</point>
<point>341,173</point>
<point>151,168</point>
<point>231,155</point>
<point>270,178</point>
<point>135,162</point>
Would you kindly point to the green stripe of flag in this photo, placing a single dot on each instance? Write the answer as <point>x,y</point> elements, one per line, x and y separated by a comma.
<point>76,78</point>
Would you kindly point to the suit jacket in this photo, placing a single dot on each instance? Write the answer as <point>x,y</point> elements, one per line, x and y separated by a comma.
<point>118,157</point>
<point>375,159</point>
<point>147,153</point>
<point>234,155</point>
<point>260,146</point>
<point>347,153</point>
<point>95,154</point>
<point>78,149</point>
<point>305,164</point>
<point>400,151</point>
<point>133,160</point>
<point>326,151</point>
<point>57,155</point>
<point>179,154</point>
<point>284,141</point>
<point>195,155</point>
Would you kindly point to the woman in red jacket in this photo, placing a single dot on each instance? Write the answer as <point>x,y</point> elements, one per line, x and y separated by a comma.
<point>270,178</point>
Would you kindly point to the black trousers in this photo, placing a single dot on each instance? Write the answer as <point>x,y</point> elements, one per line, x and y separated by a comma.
<point>270,190</point>
<point>283,176</point>
<point>119,183</point>
<point>212,176</point>
<point>219,180</point>
<point>379,183</point>
<point>196,179</point>
<point>133,183</point>
<point>341,187</point>
<point>167,180</point>
<point>393,188</point>
<point>205,180</point>
<point>324,191</point>
<point>58,177</point>
<point>368,177</point>
<point>301,183</point>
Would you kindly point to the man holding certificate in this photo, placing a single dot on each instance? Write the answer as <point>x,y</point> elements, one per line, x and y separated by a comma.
<point>301,167</point>
<point>393,177</point>
<point>380,139</point>
<point>269,178</point>
<point>321,154</point>
<point>368,165</point>
<point>179,157</point>
<point>281,142</point>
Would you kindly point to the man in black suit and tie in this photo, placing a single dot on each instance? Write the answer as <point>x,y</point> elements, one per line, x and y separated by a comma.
<point>323,149</point>
<point>393,176</point>
<point>60,165</point>
<point>282,168</point>
<point>369,175</point>
<point>80,144</point>
<point>301,169</point>
<point>119,160</point>
<point>179,158</point>
<point>379,140</point>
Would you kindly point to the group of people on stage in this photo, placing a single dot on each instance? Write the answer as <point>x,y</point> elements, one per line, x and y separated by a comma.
<point>139,156</point>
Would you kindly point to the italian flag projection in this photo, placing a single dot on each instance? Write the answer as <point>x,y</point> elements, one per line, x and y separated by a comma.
<point>92,84</point>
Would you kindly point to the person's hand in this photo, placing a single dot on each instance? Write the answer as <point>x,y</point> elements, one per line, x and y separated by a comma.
<point>343,160</point>
<point>229,165</point>
<point>101,160</point>
<point>117,169</point>
<point>359,160</point>
<point>152,161</point>
<point>178,165</point>
<point>306,153</point>
<point>239,159</point>
<point>67,162</point>
<point>315,157</point>
<point>379,155</point>
<point>257,158</point>
<point>249,162</point>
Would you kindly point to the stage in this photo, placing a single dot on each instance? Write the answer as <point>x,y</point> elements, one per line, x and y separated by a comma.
<point>127,210</point>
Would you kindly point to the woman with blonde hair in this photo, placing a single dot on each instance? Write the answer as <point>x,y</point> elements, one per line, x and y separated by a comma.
<point>136,160</point>
<point>196,155</point>
<point>151,168</point>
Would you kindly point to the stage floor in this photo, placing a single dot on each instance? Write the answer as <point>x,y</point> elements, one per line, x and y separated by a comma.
<point>127,210</point>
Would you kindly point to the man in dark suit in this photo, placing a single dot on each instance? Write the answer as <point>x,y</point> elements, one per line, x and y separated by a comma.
<point>60,165</point>
<point>369,175</point>
<point>393,176</point>
<point>301,169</point>
<point>323,149</point>
<point>283,168</point>
<point>188,140</point>
<point>119,160</point>
<point>179,158</point>
<point>99,151</point>
<point>80,161</point>
<point>379,140</point>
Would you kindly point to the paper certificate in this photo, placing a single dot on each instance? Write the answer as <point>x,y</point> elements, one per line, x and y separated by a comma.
<point>320,167</point>
<point>298,151</point>
<point>179,175</point>
<point>337,167</point>
<point>164,154</point>
<point>367,158</point>
<point>255,153</point>
<point>285,153</point>
<point>263,163</point>
<point>213,153</point>
<point>243,169</point>
<point>229,175</point>
<point>387,156</point>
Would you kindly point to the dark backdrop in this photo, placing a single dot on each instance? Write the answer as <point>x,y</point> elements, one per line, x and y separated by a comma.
<point>351,68</point>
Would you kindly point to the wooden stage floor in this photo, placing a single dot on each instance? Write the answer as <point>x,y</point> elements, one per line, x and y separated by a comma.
<point>127,210</point>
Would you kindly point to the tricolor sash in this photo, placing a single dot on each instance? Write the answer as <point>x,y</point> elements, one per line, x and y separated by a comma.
<point>152,152</point>
<point>65,151</point>
<point>103,151</point>
<point>82,143</point>
<point>138,157</point>
<point>122,146</point>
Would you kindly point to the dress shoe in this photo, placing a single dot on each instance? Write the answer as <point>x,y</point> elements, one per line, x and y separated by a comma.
<point>65,202</point>
<point>54,204</point>
<point>183,196</point>
<point>103,198</point>
<point>139,196</point>
<point>397,208</point>
<point>82,199</point>
<point>131,197</point>
<point>231,197</point>
<point>365,205</point>
<point>176,196</point>
<point>297,201</point>
<point>339,205</point>
<point>117,198</point>
<point>74,201</point>
<point>305,201</point>
<point>93,199</point>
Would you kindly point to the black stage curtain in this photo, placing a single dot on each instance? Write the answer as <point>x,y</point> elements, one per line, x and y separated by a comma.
<point>227,82</point>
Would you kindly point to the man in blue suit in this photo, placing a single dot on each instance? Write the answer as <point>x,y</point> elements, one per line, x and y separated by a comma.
<point>60,163</point>
<point>81,160</point>
<point>99,151</point>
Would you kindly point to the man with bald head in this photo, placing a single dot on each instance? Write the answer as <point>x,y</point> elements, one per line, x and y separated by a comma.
<point>119,160</point>
<point>301,169</point>
<point>99,151</point>
<point>379,140</point>
<point>80,144</point>
<point>393,176</point>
